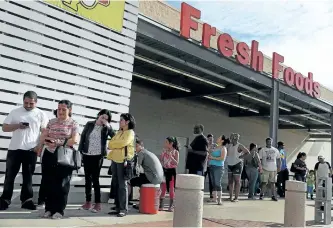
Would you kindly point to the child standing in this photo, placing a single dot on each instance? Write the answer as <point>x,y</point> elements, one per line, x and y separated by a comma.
<point>310,181</point>
<point>169,160</point>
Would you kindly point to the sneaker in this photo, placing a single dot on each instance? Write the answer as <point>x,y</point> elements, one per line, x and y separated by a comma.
<point>261,197</point>
<point>274,198</point>
<point>97,208</point>
<point>57,216</point>
<point>47,214</point>
<point>29,205</point>
<point>3,205</point>
<point>121,214</point>
<point>86,206</point>
<point>41,205</point>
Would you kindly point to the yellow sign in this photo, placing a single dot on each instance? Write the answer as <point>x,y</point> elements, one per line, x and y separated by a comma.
<point>109,13</point>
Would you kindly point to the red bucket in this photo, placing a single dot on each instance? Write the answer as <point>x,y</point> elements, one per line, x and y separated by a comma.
<point>149,198</point>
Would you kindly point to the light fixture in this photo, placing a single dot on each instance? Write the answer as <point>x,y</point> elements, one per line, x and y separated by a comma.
<point>262,101</point>
<point>291,122</point>
<point>188,90</point>
<point>161,82</point>
<point>231,104</point>
<point>314,119</point>
<point>179,71</point>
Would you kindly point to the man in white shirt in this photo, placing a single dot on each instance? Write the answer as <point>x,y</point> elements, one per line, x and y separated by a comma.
<point>322,169</point>
<point>271,165</point>
<point>25,123</point>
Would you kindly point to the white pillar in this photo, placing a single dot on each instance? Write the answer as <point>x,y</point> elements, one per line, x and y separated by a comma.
<point>294,204</point>
<point>189,201</point>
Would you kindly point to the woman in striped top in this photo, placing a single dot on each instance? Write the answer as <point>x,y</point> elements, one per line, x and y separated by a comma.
<point>57,178</point>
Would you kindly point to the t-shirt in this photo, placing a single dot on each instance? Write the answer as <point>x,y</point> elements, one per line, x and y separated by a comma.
<point>151,165</point>
<point>95,141</point>
<point>322,169</point>
<point>283,159</point>
<point>59,129</point>
<point>26,139</point>
<point>268,157</point>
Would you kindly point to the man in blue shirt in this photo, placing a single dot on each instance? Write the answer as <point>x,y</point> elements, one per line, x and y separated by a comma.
<point>283,175</point>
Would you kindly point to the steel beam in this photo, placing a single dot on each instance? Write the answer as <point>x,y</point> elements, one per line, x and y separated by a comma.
<point>266,113</point>
<point>173,40</point>
<point>230,89</point>
<point>307,127</point>
<point>331,138</point>
<point>320,136</point>
<point>274,111</point>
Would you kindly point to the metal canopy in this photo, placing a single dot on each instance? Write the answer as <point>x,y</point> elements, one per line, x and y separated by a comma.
<point>175,60</point>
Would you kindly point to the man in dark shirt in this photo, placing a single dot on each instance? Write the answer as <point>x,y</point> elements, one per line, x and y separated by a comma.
<point>197,155</point>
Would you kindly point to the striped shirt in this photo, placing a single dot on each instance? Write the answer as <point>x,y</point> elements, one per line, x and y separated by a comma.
<point>59,129</point>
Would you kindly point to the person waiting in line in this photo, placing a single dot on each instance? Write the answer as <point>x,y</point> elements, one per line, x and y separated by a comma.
<point>169,159</point>
<point>57,178</point>
<point>26,124</point>
<point>299,167</point>
<point>41,192</point>
<point>93,148</point>
<point>271,163</point>
<point>123,142</point>
<point>235,165</point>
<point>211,147</point>
<point>151,165</point>
<point>258,183</point>
<point>216,164</point>
<point>252,166</point>
<point>198,153</point>
<point>283,175</point>
<point>310,182</point>
<point>322,169</point>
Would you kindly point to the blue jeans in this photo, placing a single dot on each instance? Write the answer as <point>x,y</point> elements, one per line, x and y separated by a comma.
<point>216,173</point>
<point>252,175</point>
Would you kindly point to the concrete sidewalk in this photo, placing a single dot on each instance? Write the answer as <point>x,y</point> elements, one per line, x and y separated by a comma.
<point>244,213</point>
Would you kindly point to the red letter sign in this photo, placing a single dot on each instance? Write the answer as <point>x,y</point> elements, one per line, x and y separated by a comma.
<point>276,67</point>
<point>186,22</point>
<point>207,32</point>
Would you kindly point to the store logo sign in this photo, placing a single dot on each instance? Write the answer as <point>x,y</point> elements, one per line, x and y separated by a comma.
<point>243,53</point>
<point>107,13</point>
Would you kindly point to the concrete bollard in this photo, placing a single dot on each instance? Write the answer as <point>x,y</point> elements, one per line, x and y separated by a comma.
<point>189,201</point>
<point>294,204</point>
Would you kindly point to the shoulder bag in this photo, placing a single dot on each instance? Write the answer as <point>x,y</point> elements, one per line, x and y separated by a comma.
<point>128,166</point>
<point>68,156</point>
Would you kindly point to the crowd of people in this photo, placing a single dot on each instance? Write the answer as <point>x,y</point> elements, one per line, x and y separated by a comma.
<point>33,135</point>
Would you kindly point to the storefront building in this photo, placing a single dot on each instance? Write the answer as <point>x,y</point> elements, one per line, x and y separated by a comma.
<point>166,67</point>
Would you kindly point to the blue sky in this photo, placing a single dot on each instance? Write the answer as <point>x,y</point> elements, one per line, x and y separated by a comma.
<point>300,30</point>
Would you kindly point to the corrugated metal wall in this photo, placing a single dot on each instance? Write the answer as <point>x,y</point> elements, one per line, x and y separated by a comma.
<point>62,56</point>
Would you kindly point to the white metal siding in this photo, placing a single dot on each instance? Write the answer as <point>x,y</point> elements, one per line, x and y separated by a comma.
<point>62,56</point>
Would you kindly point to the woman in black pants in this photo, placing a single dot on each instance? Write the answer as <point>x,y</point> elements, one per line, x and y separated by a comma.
<point>93,147</point>
<point>57,178</point>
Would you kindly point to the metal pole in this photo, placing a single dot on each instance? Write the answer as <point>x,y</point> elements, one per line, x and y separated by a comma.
<point>331,138</point>
<point>274,111</point>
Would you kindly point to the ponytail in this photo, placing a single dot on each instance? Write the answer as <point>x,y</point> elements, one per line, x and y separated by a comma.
<point>174,142</point>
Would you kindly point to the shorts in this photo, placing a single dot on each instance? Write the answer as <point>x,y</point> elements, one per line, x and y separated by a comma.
<point>236,169</point>
<point>310,189</point>
<point>268,176</point>
<point>138,181</point>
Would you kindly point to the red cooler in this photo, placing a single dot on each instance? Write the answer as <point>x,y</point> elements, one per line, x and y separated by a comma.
<point>149,198</point>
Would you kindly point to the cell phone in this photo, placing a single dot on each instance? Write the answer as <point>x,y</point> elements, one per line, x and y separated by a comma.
<point>25,124</point>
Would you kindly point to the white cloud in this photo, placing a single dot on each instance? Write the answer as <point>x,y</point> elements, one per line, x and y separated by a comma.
<point>301,31</point>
